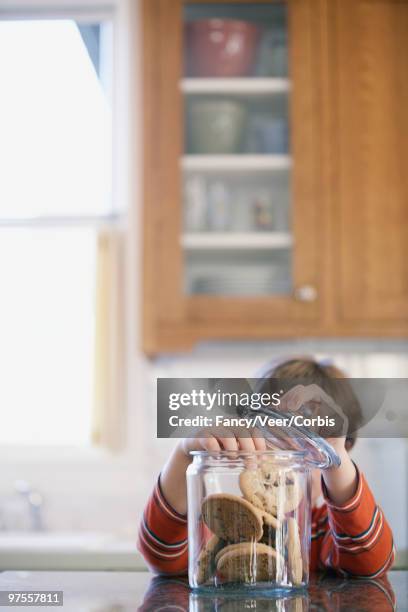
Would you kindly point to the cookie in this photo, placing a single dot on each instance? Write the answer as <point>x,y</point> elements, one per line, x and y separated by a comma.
<point>295,565</point>
<point>270,489</point>
<point>247,562</point>
<point>206,559</point>
<point>232,518</point>
<point>269,536</point>
<point>270,520</point>
<point>228,548</point>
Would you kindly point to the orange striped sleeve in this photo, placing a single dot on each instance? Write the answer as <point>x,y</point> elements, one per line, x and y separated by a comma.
<point>359,540</point>
<point>163,536</point>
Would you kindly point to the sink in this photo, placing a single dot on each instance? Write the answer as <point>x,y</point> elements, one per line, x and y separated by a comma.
<point>67,551</point>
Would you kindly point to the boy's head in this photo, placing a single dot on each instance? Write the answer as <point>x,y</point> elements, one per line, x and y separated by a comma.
<point>309,371</point>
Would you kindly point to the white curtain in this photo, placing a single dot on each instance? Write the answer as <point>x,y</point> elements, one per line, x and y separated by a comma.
<point>109,378</point>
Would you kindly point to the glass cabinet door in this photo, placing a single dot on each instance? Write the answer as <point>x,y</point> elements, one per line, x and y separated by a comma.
<point>236,205</point>
<point>236,167</point>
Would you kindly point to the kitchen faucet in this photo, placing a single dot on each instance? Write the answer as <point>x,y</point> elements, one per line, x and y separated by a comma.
<point>34,502</point>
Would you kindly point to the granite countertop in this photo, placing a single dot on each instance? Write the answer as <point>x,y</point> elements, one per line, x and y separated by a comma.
<point>141,591</point>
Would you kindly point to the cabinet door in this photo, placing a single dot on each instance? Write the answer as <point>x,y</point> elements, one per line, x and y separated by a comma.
<point>370,101</point>
<point>233,218</point>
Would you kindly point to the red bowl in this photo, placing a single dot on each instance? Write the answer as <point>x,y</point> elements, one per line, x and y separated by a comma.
<point>220,47</point>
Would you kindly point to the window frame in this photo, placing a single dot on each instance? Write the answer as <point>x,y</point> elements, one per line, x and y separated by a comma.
<point>17,456</point>
<point>32,12</point>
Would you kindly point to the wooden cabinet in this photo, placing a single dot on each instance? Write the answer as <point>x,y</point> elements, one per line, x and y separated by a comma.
<point>369,99</point>
<point>339,265</point>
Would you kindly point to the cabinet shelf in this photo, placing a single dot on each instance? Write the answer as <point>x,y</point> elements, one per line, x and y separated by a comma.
<point>242,240</point>
<point>245,86</point>
<point>235,163</point>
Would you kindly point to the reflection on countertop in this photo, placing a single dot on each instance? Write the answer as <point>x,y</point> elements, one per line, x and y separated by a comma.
<point>141,592</point>
<point>324,593</point>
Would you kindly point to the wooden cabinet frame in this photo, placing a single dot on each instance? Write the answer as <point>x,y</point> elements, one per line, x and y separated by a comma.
<point>173,321</point>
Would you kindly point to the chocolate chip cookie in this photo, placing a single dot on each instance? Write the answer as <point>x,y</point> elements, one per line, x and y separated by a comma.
<point>273,490</point>
<point>247,562</point>
<point>232,518</point>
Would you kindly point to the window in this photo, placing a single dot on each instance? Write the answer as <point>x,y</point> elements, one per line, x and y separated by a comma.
<point>55,196</point>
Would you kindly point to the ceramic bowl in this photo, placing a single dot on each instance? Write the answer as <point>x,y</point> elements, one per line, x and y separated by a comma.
<point>216,126</point>
<point>221,47</point>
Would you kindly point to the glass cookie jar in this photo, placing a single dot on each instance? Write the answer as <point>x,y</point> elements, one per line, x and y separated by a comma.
<point>249,516</point>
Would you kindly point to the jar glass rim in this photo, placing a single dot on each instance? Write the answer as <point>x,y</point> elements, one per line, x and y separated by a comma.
<point>245,453</point>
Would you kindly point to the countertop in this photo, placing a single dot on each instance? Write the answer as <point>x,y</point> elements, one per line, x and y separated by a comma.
<point>141,591</point>
<point>68,551</point>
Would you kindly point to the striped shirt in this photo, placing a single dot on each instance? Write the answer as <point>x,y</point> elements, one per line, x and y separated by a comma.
<point>353,539</point>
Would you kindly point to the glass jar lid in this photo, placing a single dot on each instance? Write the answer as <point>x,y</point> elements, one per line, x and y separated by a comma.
<point>317,452</point>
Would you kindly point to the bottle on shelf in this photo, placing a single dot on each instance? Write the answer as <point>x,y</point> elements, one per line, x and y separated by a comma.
<point>262,212</point>
<point>195,204</point>
<point>219,209</point>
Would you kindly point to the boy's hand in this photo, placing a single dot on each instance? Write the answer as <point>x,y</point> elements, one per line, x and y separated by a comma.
<point>173,476</point>
<point>341,482</point>
<point>224,439</point>
<point>314,401</point>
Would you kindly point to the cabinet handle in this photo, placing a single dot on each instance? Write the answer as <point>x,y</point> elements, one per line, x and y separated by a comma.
<point>306,293</point>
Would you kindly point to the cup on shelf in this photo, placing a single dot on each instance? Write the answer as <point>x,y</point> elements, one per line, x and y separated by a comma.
<point>219,207</point>
<point>216,126</point>
<point>272,56</point>
<point>220,47</point>
<point>268,135</point>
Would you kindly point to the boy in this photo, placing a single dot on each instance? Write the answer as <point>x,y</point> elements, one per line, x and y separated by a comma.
<point>349,532</point>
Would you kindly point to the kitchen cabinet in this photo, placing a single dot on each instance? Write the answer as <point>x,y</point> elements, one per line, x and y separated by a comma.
<point>369,100</point>
<point>274,197</point>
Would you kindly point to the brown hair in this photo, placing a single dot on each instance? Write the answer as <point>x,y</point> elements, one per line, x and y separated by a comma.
<point>308,371</point>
